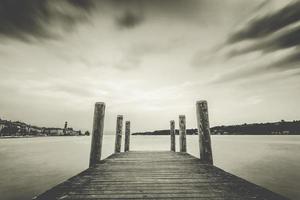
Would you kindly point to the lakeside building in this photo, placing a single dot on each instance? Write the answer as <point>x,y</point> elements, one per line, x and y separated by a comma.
<point>8,128</point>
<point>70,131</point>
<point>35,130</point>
<point>53,131</point>
<point>2,125</point>
<point>280,133</point>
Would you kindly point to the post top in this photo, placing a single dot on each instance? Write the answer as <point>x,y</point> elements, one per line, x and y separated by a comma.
<point>181,115</point>
<point>119,116</point>
<point>99,103</point>
<point>201,102</point>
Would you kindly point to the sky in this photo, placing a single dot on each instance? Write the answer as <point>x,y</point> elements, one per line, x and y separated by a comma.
<point>149,60</point>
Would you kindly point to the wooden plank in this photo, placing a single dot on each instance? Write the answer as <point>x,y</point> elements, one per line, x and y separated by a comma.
<point>156,175</point>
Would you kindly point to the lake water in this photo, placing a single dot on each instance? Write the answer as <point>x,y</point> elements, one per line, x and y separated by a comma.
<point>29,166</point>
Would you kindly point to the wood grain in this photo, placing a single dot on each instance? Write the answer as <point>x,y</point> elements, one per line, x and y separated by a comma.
<point>118,139</point>
<point>156,175</point>
<point>204,132</point>
<point>182,133</point>
<point>97,134</point>
<point>127,136</point>
<point>172,135</point>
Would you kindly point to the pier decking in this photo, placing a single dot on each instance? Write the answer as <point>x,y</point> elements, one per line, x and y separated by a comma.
<point>153,174</point>
<point>156,175</point>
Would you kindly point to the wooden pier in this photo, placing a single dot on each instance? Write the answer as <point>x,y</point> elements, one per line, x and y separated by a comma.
<point>156,174</point>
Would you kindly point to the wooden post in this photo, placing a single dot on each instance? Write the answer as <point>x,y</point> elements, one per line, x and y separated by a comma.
<point>118,134</point>
<point>127,136</point>
<point>97,134</point>
<point>204,132</point>
<point>172,134</point>
<point>182,133</point>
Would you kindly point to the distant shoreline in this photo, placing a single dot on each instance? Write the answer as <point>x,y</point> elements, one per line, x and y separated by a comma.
<point>273,128</point>
<point>29,136</point>
<point>16,129</point>
<point>134,134</point>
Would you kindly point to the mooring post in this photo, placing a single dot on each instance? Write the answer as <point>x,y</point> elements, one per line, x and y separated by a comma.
<point>204,132</point>
<point>97,134</point>
<point>118,133</point>
<point>172,134</point>
<point>182,133</point>
<point>127,136</point>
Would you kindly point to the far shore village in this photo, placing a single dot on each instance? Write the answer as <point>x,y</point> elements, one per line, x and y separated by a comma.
<point>17,128</point>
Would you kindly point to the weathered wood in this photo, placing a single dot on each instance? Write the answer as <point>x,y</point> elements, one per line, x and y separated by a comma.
<point>204,132</point>
<point>118,139</point>
<point>182,133</point>
<point>97,133</point>
<point>156,175</point>
<point>172,134</point>
<point>127,136</point>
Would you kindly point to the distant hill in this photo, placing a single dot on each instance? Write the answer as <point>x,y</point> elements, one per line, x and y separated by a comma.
<point>166,132</point>
<point>274,128</point>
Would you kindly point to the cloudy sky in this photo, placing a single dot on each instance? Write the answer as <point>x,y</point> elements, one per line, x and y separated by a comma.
<point>149,60</point>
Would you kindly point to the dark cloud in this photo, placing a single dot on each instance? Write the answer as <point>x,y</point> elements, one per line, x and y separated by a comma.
<point>30,18</point>
<point>134,12</point>
<point>177,7</point>
<point>129,19</point>
<point>35,19</point>
<point>290,62</point>
<point>83,4</point>
<point>287,39</point>
<point>264,26</point>
<point>18,18</point>
<point>269,34</point>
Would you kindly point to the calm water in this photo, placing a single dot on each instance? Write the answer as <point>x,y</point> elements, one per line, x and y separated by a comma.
<point>29,166</point>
